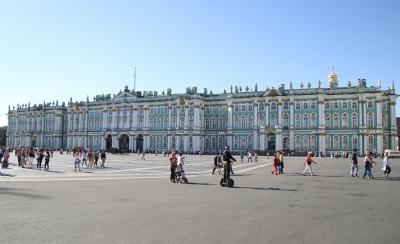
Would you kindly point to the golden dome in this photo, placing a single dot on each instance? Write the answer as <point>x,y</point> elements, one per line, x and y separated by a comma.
<point>332,76</point>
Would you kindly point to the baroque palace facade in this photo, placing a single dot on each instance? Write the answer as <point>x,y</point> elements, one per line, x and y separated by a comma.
<point>317,119</point>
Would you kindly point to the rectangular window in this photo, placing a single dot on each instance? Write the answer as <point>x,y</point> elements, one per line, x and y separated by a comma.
<point>305,105</point>
<point>344,105</point>
<point>312,105</point>
<point>335,105</point>
<point>370,104</point>
<point>327,105</point>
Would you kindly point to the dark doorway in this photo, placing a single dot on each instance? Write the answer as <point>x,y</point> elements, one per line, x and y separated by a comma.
<point>124,143</point>
<point>271,142</point>
<point>33,142</point>
<point>139,143</point>
<point>108,142</point>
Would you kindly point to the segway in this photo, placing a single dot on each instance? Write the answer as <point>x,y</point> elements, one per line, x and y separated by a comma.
<point>230,183</point>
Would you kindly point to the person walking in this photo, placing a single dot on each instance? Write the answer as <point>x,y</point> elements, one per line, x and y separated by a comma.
<point>77,159</point>
<point>368,166</point>
<point>39,159</point>
<point>90,158</point>
<point>227,159</point>
<point>249,157</point>
<point>275,164</point>
<point>216,160</point>
<point>103,158</point>
<point>173,161</point>
<point>281,165</point>
<point>96,157</point>
<point>307,162</point>
<point>46,161</point>
<point>354,164</point>
<point>241,157</point>
<point>143,155</point>
<point>386,167</point>
<point>84,158</point>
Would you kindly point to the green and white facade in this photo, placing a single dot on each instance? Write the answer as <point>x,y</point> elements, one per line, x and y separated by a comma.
<point>317,119</point>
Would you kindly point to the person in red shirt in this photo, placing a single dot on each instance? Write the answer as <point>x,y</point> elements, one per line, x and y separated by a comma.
<point>173,163</point>
<point>275,165</point>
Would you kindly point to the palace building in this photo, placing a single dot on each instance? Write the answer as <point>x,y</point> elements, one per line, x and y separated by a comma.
<point>332,119</point>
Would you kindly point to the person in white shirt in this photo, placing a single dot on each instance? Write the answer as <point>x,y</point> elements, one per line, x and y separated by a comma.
<point>77,158</point>
<point>386,167</point>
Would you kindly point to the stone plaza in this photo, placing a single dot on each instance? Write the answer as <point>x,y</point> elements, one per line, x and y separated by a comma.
<point>132,201</point>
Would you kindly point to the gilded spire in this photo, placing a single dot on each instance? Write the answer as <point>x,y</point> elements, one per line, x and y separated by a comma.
<point>332,76</point>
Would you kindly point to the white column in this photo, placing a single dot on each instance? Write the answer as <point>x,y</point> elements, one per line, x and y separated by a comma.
<point>266,114</point>
<point>321,111</point>
<point>135,119</point>
<point>186,121</point>
<point>147,119</point>
<point>365,113</point>
<point>278,139</point>
<point>196,118</point>
<point>379,114</point>
<point>262,141</point>
<point>230,117</point>
<point>360,146</point>
<point>104,119</point>
<point>365,143</point>
<point>280,113</point>
<point>255,122</point>
<point>291,140</point>
<point>379,144</point>
<point>113,123</point>
<point>322,143</point>
<point>360,113</point>
<point>185,141</point>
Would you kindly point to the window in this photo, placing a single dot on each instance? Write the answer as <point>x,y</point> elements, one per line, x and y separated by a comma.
<point>285,143</point>
<point>273,120</point>
<point>236,142</point>
<point>305,120</point>
<point>207,123</point>
<point>243,108</point>
<point>305,142</point>
<point>371,143</point>
<point>236,125</point>
<point>354,120</point>
<point>344,120</point>
<point>384,121</point>
<point>344,105</point>
<point>328,120</point>
<point>345,143</point>
<point>327,105</point>
<point>285,120</point>
<point>286,105</point>
<point>305,105</point>
<point>250,121</point>
<point>370,104</point>
<point>214,123</point>
<point>354,142</point>
<point>336,120</point>
<point>261,120</point>
<point>298,122</point>
<point>313,120</point>
<point>354,105</point>
<point>250,107</point>
<point>243,122</point>
<point>370,119</point>
<point>313,142</point>
<point>313,105</point>
<point>297,105</point>
<point>335,105</point>
<point>207,111</point>
<point>273,106</point>
<point>298,142</point>
<point>236,108</point>
<point>262,107</point>
<point>336,142</point>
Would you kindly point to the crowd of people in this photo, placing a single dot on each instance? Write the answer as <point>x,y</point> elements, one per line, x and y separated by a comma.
<point>89,158</point>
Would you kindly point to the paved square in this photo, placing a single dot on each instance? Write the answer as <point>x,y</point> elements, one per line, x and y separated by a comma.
<point>132,201</point>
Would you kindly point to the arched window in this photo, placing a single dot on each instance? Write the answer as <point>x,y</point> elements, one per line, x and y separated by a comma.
<point>273,106</point>
<point>220,142</point>
<point>385,142</point>
<point>298,142</point>
<point>298,121</point>
<point>261,120</point>
<point>152,123</point>
<point>336,145</point>
<point>354,142</point>
<point>305,142</point>
<point>158,123</point>
<point>250,121</point>
<point>191,122</point>
<point>335,120</point>
<point>220,126</point>
<point>214,123</point>
<point>313,120</point>
<point>313,143</point>
<point>243,122</point>
<point>207,142</point>
<point>181,122</point>
<point>213,142</point>
<point>243,142</point>
<point>236,142</point>
<point>345,121</point>
<point>328,120</point>
<point>250,142</point>
<point>173,125</point>
<point>236,121</point>
<point>370,143</point>
<point>370,119</point>
<point>165,125</point>
<point>207,123</point>
<point>354,120</point>
<point>384,121</point>
<point>285,120</point>
<point>345,143</point>
<point>305,120</point>
<point>273,120</point>
<point>285,143</point>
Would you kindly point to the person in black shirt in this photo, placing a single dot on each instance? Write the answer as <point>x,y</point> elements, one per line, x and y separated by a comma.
<point>227,158</point>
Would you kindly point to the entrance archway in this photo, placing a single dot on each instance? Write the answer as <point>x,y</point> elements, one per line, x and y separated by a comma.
<point>271,142</point>
<point>124,143</point>
<point>108,142</point>
<point>139,143</point>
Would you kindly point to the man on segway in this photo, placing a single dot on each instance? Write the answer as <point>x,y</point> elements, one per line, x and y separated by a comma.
<point>227,157</point>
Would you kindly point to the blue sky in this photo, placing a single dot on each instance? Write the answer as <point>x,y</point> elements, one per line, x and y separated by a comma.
<point>57,49</point>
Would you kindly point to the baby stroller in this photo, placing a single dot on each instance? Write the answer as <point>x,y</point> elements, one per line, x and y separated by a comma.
<point>179,176</point>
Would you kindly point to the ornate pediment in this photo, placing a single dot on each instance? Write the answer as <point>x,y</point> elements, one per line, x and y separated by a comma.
<point>124,95</point>
<point>273,93</point>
